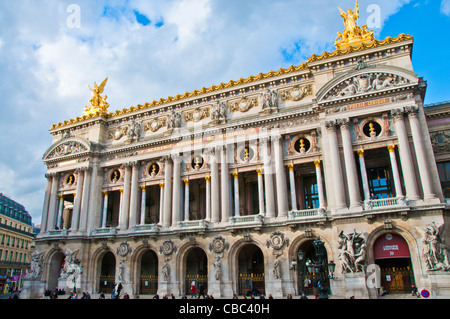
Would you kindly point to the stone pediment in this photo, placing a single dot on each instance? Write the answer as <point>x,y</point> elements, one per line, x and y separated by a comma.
<point>67,147</point>
<point>365,80</point>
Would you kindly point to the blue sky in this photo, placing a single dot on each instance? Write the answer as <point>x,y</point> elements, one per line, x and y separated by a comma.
<point>152,49</point>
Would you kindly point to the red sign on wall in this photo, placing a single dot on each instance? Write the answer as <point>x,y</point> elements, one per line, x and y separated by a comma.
<point>391,246</point>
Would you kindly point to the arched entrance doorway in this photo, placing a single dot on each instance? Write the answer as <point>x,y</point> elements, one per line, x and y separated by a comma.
<point>391,253</point>
<point>56,264</point>
<point>148,280</point>
<point>107,272</point>
<point>196,270</point>
<point>251,270</point>
<point>312,267</point>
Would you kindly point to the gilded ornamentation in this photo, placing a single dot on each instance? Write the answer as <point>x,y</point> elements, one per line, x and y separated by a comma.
<point>97,103</point>
<point>244,104</point>
<point>196,115</point>
<point>296,93</point>
<point>155,124</point>
<point>352,34</point>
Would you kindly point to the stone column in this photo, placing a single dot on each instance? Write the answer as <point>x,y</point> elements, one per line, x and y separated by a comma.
<point>280,177</point>
<point>186,199</point>
<point>421,154</point>
<point>125,206</point>
<point>409,175</point>
<point>208,198</point>
<point>143,200</point>
<point>53,202</point>
<point>320,184</point>
<point>95,197</point>
<point>134,194</point>
<point>105,209</point>
<point>215,205</point>
<point>176,203</point>
<point>120,207</point>
<point>161,203</point>
<point>236,194</point>
<point>365,181</point>
<point>225,186</point>
<point>350,165</point>
<point>292,187</point>
<point>60,211</point>
<point>338,181</point>
<point>48,190</point>
<point>260,192</point>
<point>395,172</point>
<point>168,167</point>
<point>84,213</point>
<point>268,178</point>
<point>77,201</point>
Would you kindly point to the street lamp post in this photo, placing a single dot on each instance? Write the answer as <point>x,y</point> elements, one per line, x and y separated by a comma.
<point>316,265</point>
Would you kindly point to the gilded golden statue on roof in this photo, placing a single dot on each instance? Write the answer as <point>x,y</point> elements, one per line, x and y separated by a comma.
<point>352,34</point>
<point>97,103</point>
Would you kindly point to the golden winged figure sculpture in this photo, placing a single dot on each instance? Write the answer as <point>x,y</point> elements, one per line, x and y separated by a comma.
<point>352,34</point>
<point>97,103</point>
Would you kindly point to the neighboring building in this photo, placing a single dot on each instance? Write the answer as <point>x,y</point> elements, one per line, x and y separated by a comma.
<point>231,186</point>
<point>438,119</point>
<point>16,241</point>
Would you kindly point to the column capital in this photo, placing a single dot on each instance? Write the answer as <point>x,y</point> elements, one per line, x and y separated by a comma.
<point>235,174</point>
<point>121,191</point>
<point>391,148</point>
<point>258,171</point>
<point>397,113</point>
<point>207,179</point>
<point>165,158</point>
<point>317,163</point>
<point>330,125</point>
<point>290,166</point>
<point>161,185</point>
<point>143,188</point>
<point>412,110</point>
<point>360,153</point>
<point>343,122</point>
<point>186,182</point>
<point>61,196</point>
<point>105,193</point>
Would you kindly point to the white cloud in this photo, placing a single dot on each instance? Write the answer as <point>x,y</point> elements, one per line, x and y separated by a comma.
<point>46,66</point>
<point>445,7</point>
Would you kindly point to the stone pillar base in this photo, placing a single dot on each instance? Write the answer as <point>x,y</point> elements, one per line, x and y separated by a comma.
<point>355,285</point>
<point>439,285</point>
<point>214,289</point>
<point>32,289</point>
<point>274,288</point>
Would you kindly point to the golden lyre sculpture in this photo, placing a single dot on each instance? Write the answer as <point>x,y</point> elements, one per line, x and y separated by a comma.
<point>352,34</point>
<point>97,103</point>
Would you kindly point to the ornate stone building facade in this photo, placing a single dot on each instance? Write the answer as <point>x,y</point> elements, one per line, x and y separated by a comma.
<point>230,186</point>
